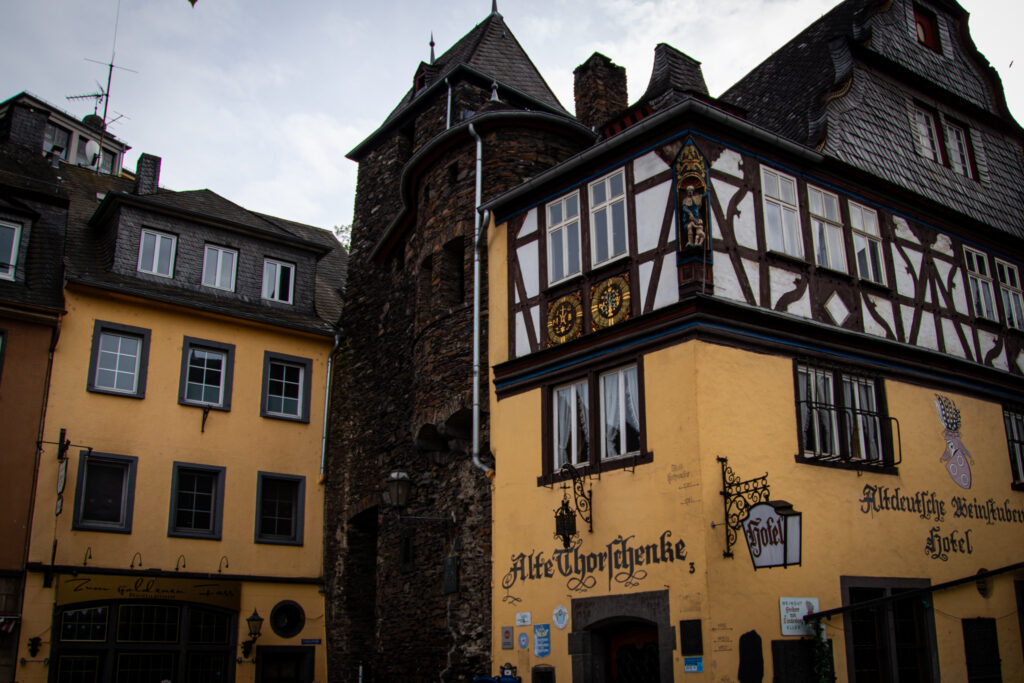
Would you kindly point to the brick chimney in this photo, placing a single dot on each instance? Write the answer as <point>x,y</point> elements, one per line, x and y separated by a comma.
<point>24,125</point>
<point>147,174</point>
<point>599,90</point>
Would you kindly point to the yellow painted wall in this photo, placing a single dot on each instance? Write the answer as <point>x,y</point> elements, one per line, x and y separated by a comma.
<point>159,431</point>
<point>705,401</point>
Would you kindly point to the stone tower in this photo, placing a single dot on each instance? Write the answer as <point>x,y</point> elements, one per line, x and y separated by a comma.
<point>408,587</point>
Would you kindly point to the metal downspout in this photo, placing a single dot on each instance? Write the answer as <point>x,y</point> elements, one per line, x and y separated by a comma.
<point>327,403</point>
<point>448,118</point>
<point>478,226</point>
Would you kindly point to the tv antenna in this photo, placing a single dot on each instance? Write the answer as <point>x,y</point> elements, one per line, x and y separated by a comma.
<point>103,94</point>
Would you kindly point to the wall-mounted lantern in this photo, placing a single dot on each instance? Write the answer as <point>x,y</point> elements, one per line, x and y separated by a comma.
<point>565,522</point>
<point>565,515</point>
<point>397,488</point>
<point>255,623</point>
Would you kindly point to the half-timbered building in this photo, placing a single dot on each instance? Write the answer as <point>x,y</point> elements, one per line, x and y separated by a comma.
<point>757,403</point>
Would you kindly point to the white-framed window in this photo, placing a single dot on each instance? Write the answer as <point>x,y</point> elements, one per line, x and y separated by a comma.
<point>608,217</point>
<point>1010,292</point>
<point>156,253</point>
<point>119,359</point>
<point>980,280</point>
<point>826,229</point>
<point>959,146</point>
<point>840,416</point>
<point>278,280</point>
<point>10,243</point>
<point>563,237</point>
<point>1014,420</point>
<point>219,266</point>
<point>867,243</point>
<point>781,213</point>
<point>286,389</point>
<point>571,424</point>
<point>207,368</point>
<point>927,132</point>
<point>620,413</point>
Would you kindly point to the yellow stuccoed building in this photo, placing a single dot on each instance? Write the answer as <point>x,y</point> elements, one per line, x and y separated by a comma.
<point>755,415</point>
<point>178,504</point>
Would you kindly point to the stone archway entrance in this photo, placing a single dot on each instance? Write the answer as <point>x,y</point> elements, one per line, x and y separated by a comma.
<point>622,639</point>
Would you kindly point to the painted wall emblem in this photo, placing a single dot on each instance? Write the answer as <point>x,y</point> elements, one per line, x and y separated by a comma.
<point>609,301</point>
<point>691,197</point>
<point>956,455</point>
<point>565,318</point>
<point>560,617</point>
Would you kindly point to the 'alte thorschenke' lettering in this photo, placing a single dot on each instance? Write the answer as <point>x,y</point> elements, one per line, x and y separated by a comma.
<point>621,560</point>
<point>925,504</point>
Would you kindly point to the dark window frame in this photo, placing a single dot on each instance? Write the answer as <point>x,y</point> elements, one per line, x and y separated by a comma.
<point>130,464</point>
<point>9,271</point>
<point>142,334</point>
<point>299,510</point>
<point>270,357</point>
<point>844,421</point>
<point>187,345</point>
<point>926,26</point>
<point>885,620</point>
<point>1015,445</point>
<point>596,464</point>
<point>217,511</point>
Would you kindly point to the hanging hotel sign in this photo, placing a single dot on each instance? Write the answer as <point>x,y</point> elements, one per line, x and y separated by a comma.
<point>88,587</point>
<point>772,530</point>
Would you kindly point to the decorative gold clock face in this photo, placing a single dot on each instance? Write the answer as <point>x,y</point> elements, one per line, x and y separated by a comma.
<point>565,318</point>
<point>609,302</point>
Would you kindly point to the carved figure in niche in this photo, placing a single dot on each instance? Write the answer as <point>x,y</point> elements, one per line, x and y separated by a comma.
<point>691,195</point>
<point>956,455</point>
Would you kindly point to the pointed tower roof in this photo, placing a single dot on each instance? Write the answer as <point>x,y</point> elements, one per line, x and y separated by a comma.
<point>490,50</point>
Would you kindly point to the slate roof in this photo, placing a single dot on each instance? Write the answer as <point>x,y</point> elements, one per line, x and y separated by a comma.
<point>674,76</point>
<point>491,49</point>
<point>805,92</point>
<point>89,252</point>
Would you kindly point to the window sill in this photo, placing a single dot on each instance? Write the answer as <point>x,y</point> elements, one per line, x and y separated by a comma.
<point>1017,486</point>
<point>277,541</point>
<point>787,258</point>
<point>199,535</point>
<point>112,392</point>
<point>879,287</point>
<point>837,462</point>
<point>87,526</point>
<point>204,406</point>
<point>618,463</point>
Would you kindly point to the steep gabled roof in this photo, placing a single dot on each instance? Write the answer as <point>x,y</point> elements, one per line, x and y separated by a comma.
<point>489,49</point>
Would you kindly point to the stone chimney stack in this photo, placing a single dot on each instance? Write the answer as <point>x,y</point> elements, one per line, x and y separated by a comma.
<point>599,90</point>
<point>24,125</point>
<point>147,174</point>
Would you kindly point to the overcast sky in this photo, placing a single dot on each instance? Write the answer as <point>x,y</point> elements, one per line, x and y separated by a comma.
<point>260,100</point>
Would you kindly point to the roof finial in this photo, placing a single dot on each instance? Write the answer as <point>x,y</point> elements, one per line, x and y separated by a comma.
<point>432,46</point>
<point>494,7</point>
<point>494,89</point>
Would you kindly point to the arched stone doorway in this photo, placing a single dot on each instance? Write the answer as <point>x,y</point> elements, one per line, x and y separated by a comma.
<point>622,639</point>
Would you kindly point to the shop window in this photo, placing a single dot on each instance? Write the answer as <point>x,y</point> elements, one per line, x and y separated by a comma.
<point>781,213</point>
<point>1014,421</point>
<point>979,278</point>
<point>841,417</point>
<point>608,218</point>
<point>206,373</point>
<point>563,216</point>
<point>826,229</point>
<point>156,253</point>
<point>867,243</point>
<point>120,355</point>
<point>286,387</point>
<point>105,493</point>
<point>197,501</point>
<point>280,508</point>
<point>893,639</point>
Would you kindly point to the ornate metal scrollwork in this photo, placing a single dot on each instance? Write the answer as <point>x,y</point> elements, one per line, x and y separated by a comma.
<point>739,497</point>
<point>584,499</point>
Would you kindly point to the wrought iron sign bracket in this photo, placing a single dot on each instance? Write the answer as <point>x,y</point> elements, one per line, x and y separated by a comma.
<point>739,497</point>
<point>584,499</point>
